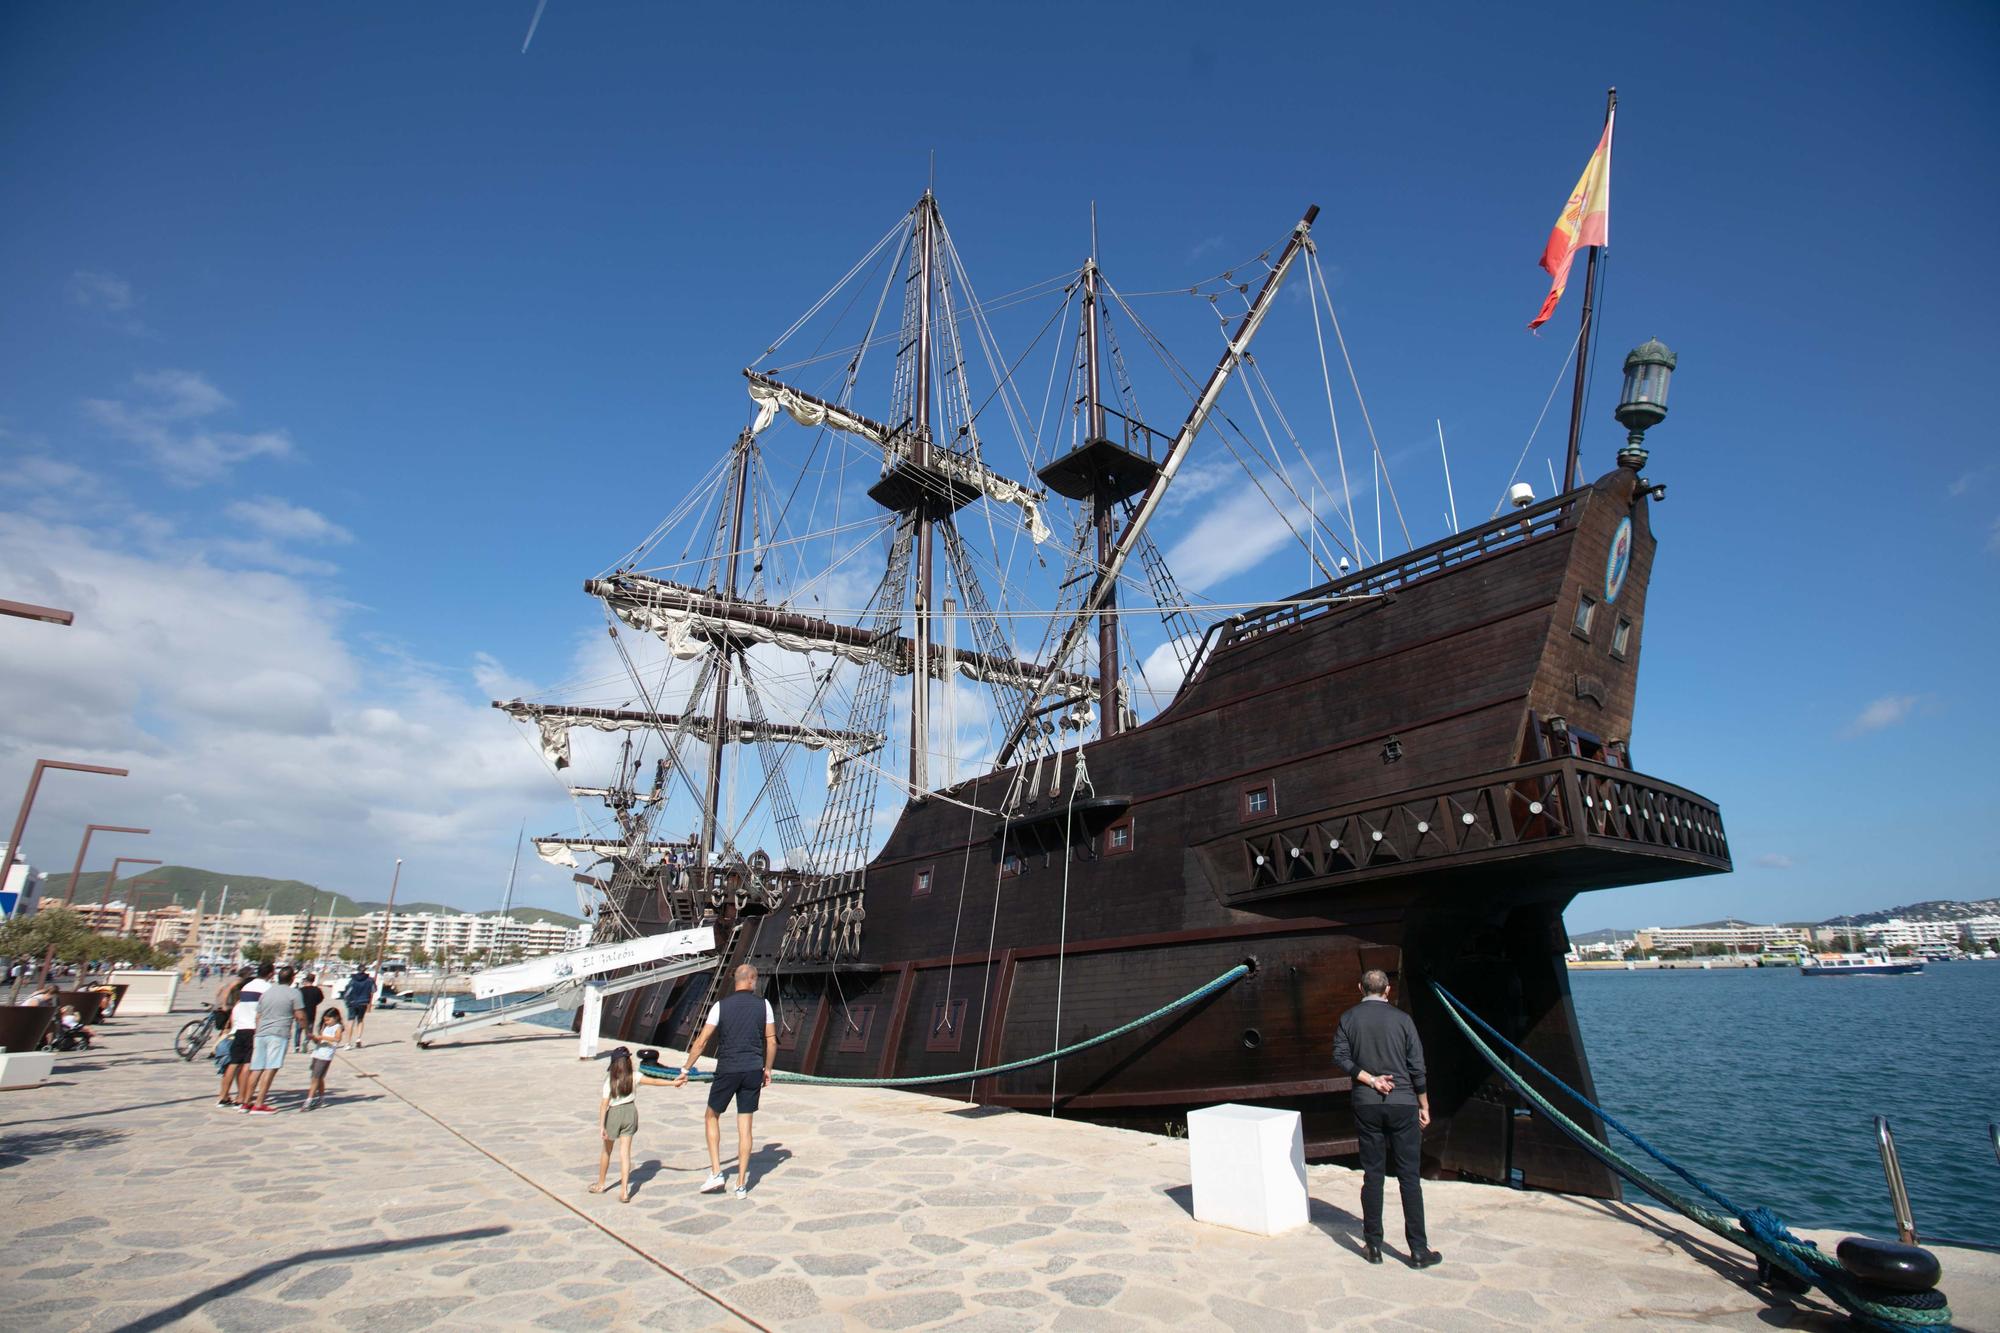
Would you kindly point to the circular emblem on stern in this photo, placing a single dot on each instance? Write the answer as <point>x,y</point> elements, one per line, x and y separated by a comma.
<point>1619,561</point>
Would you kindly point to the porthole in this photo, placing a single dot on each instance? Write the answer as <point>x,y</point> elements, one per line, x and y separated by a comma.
<point>1252,1039</point>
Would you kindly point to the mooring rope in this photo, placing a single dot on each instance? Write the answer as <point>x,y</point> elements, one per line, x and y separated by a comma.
<point>1200,993</point>
<point>1758,1230</point>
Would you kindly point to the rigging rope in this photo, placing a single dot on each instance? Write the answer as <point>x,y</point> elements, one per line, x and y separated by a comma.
<point>1758,1230</point>
<point>1195,996</point>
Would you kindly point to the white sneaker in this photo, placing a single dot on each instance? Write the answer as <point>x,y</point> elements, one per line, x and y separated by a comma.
<point>742,1191</point>
<point>712,1186</point>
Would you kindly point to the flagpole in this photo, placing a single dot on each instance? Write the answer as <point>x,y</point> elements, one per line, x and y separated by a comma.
<point>1583,337</point>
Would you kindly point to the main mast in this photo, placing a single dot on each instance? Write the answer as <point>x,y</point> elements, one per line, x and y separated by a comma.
<point>920,685</point>
<point>719,728</point>
<point>1111,718</point>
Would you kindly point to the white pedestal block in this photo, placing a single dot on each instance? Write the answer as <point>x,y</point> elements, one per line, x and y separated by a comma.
<point>1249,1168</point>
<point>593,1018</point>
<point>25,1069</point>
<point>150,992</point>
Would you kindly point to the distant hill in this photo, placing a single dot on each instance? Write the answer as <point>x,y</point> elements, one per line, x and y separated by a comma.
<point>186,885</point>
<point>1936,909</point>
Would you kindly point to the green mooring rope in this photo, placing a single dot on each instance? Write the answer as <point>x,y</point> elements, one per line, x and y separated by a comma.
<point>1770,1242</point>
<point>1228,978</point>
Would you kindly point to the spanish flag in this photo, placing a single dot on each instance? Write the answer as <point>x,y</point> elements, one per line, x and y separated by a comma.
<point>1585,220</point>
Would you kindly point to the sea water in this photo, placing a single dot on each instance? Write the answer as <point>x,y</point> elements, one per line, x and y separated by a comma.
<point>1765,1083</point>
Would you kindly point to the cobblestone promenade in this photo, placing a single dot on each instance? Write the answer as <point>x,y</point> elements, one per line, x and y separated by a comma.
<point>446,1189</point>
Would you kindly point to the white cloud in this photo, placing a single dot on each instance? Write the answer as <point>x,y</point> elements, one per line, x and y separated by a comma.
<point>262,736</point>
<point>1234,535</point>
<point>1965,481</point>
<point>162,413</point>
<point>101,291</point>
<point>108,296</point>
<point>1887,711</point>
<point>1206,245</point>
<point>283,521</point>
<point>1775,861</point>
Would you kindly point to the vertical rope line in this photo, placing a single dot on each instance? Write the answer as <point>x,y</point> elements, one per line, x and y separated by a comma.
<point>1076,779</point>
<point>993,926</point>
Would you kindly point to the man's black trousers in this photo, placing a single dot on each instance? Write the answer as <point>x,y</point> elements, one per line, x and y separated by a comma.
<point>1390,1135</point>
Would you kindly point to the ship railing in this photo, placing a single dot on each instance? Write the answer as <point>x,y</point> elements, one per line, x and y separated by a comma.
<point>1549,803</point>
<point>1533,523</point>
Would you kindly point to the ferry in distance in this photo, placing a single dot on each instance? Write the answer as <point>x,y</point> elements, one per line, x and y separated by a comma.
<point>1874,963</point>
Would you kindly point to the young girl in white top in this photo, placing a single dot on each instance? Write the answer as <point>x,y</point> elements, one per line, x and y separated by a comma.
<point>327,1033</point>
<point>618,1120</point>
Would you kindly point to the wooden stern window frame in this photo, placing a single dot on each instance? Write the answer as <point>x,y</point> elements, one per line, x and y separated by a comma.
<point>1584,617</point>
<point>1011,865</point>
<point>1621,638</point>
<point>1268,789</point>
<point>1109,842</point>
<point>920,881</point>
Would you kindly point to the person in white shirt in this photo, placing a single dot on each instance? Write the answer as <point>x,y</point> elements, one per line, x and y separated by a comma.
<point>746,1047</point>
<point>243,1038</point>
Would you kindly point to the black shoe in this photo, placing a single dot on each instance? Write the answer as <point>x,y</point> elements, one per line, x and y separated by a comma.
<point>1425,1258</point>
<point>1372,1252</point>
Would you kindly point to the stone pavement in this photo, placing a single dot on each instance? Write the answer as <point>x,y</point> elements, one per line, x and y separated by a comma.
<point>446,1189</point>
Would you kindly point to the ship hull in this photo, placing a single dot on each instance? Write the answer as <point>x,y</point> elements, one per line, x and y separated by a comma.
<point>1415,771</point>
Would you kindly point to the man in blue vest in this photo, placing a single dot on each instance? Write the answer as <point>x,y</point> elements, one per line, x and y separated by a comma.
<point>746,1046</point>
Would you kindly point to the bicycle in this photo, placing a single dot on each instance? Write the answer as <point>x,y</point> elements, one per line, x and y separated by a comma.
<point>195,1034</point>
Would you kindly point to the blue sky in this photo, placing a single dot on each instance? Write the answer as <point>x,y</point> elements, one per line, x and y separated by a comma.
<point>321,323</point>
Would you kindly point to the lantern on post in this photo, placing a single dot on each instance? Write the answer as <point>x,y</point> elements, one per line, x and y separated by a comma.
<point>1649,368</point>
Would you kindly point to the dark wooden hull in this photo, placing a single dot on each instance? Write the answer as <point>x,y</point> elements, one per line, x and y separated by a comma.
<point>1419,781</point>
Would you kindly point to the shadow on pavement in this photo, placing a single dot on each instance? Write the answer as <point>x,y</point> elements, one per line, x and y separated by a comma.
<point>181,1310</point>
<point>1343,1226</point>
<point>18,1148</point>
<point>101,1111</point>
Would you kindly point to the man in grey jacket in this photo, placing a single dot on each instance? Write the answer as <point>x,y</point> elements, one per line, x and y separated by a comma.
<point>1378,1048</point>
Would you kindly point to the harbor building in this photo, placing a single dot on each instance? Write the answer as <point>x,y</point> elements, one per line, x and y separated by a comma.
<point>1735,936</point>
<point>456,934</point>
<point>1896,933</point>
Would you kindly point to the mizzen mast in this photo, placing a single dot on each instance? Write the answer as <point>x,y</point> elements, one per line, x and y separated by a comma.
<point>1155,486</point>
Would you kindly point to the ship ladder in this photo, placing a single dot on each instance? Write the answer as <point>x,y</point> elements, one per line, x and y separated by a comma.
<point>725,963</point>
<point>1227,979</point>
<point>1758,1230</point>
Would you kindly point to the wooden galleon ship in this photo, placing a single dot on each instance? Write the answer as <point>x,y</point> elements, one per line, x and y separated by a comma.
<point>977,830</point>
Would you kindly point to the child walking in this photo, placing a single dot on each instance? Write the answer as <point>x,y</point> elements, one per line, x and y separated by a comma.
<point>618,1121</point>
<point>327,1033</point>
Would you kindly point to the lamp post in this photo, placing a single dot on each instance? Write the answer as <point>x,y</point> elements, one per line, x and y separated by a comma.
<point>382,946</point>
<point>133,917</point>
<point>28,804</point>
<point>69,894</point>
<point>49,615</point>
<point>104,899</point>
<point>1649,369</point>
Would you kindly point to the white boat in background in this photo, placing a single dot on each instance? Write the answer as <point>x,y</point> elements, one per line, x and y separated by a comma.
<point>1874,963</point>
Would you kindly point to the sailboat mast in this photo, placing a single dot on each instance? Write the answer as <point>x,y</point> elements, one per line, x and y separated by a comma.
<point>719,731</point>
<point>507,904</point>
<point>1583,338</point>
<point>920,682</point>
<point>1111,714</point>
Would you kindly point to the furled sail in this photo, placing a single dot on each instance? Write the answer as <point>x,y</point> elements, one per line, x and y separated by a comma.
<point>772,397</point>
<point>563,851</point>
<point>554,722</point>
<point>687,621</point>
